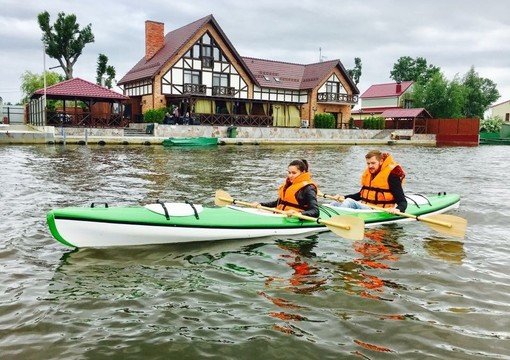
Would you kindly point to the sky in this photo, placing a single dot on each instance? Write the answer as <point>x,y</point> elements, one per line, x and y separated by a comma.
<point>451,34</point>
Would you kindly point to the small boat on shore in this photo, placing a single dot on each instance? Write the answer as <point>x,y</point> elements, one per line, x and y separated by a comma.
<point>164,223</point>
<point>190,141</point>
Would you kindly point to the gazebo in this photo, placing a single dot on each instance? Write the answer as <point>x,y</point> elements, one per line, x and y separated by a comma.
<point>415,119</point>
<point>92,105</point>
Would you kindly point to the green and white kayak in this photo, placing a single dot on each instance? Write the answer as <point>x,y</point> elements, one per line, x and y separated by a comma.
<point>164,223</point>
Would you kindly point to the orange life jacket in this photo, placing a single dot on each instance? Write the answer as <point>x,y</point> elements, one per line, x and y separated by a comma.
<point>287,194</point>
<point>377,190</point>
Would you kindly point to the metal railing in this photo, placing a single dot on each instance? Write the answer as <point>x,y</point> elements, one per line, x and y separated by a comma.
<point>337,97</point>
<point>194,89</point>
<point>223,91</point>
<point>237,120</point>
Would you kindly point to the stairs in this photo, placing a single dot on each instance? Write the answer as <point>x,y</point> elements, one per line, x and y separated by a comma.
<point>129,132</point>
<point>384,134</point>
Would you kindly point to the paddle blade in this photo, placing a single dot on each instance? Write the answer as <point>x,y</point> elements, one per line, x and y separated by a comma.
<point>222,198</point>
<point>349,227</point>
<point>449,224</point>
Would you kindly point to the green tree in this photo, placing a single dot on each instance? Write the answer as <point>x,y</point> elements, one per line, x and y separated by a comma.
<point>408,69</point>
<point>441,98</point>
<point>30,82</point>
<point>102,69</point>
<point>355,73</point>
<point>480,93</point>
<point>64,41</point>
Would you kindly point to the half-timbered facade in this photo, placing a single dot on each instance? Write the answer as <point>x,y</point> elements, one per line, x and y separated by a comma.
<point>198,71</point>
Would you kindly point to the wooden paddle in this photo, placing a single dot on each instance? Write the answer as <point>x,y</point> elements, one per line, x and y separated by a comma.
<point>349,227</point>
<point>444,223</point>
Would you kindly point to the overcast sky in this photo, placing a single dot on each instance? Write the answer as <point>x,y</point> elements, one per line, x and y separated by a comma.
<point>451,34</point>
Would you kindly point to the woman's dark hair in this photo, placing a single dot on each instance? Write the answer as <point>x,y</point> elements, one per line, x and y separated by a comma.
<point>302,164</point>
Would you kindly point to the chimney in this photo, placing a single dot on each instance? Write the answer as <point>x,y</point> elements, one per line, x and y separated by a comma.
<point>399,87</point>
<point>154,38</point>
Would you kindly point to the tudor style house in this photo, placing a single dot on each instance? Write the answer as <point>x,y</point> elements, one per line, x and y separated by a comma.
<point>197,70</point>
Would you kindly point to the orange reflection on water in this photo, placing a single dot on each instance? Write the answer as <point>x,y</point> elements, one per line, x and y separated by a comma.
<point>372,347</point>
<point>377,253</point>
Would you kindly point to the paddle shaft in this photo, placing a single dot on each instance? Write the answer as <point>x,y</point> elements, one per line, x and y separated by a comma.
<point>411,216</point>
<point>298,215</point>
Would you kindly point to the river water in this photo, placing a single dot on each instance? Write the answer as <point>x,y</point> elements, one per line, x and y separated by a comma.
<point>405,291</point>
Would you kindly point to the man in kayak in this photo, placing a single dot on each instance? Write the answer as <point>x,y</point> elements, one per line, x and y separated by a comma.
<point>381,185</point>
<point>298,193</point>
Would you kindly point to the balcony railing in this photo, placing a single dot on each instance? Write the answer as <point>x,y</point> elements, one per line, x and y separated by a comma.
<point>337,97</point>
<point>223,91</point>
<point>194,89</point>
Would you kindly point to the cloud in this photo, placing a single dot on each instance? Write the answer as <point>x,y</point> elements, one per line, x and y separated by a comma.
<point>453,35</point>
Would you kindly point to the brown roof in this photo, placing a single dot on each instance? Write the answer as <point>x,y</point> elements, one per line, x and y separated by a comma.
<point>174,41</point>
<point>406,113</point>
<point>291,76</point>
<point>386,90</point>
<point>79,88</point>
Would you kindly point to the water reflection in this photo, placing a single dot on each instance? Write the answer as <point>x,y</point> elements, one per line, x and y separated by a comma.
<point>447,250</point>
<point>379,252</point>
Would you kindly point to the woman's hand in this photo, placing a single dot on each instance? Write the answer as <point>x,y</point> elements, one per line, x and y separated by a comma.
<point>339,197</point>
<point>255,204</point>
<point>393,210</point>
<point>290,213</point>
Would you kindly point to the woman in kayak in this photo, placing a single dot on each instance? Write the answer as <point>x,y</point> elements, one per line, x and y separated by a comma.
<point>298,193</point>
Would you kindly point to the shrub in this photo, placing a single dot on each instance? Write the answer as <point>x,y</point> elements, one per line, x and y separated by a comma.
<point>154,116</point>
<point>324,121</point>
<point>491,125</point>
<point>374,122</point>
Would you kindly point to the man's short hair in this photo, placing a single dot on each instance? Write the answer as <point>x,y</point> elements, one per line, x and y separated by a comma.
<point>372,153</point>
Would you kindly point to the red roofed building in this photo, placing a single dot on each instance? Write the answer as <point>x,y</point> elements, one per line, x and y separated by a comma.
<point>102,106</point>
<point>196,69</point>
<point>381,97</point>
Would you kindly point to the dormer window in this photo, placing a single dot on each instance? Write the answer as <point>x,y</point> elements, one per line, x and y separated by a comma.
<point>277,79</point>
<point>266,78</point>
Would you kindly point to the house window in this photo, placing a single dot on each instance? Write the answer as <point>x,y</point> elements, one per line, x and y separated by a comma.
<point>196,51</point>
<point>220,80</point>
<point>192,77</point>
<point>507,117</point>
<point>332,87</point>
<point>206,39</point>
<point>207,58</point>
<point>216,54</point>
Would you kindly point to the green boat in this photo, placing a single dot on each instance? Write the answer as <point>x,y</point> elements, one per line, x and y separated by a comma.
<point>163,223</point>
<point>190,141</point>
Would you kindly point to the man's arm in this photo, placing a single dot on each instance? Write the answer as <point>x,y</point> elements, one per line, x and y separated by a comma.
<point>397,191</point>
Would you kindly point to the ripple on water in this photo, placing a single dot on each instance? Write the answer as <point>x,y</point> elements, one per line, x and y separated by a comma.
<point>402,292</point>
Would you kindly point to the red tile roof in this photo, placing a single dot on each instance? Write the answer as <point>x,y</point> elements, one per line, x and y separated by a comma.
<point>291,76</point>
<point>373,110</point>
<point>79,88</point>
<point>406,113</point>
<point>386,90</point>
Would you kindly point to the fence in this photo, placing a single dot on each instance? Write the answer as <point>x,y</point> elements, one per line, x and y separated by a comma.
<point>13,114</point>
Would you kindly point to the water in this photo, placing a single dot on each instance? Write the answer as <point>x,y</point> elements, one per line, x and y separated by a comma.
<point>403,292</point>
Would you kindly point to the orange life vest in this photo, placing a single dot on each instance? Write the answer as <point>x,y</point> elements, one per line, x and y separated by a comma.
<point>377,190</point>
<point>287,194</point>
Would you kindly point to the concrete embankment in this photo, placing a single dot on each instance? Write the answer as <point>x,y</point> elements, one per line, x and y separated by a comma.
<point>136,135</point>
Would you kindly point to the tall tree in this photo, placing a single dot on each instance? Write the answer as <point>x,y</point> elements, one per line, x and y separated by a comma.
<point>102,69</point>
<point>408,69</point>
<point>355,73</point>
<point>30,82</point>
<point>480,93</point>
<point>64,41</point>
